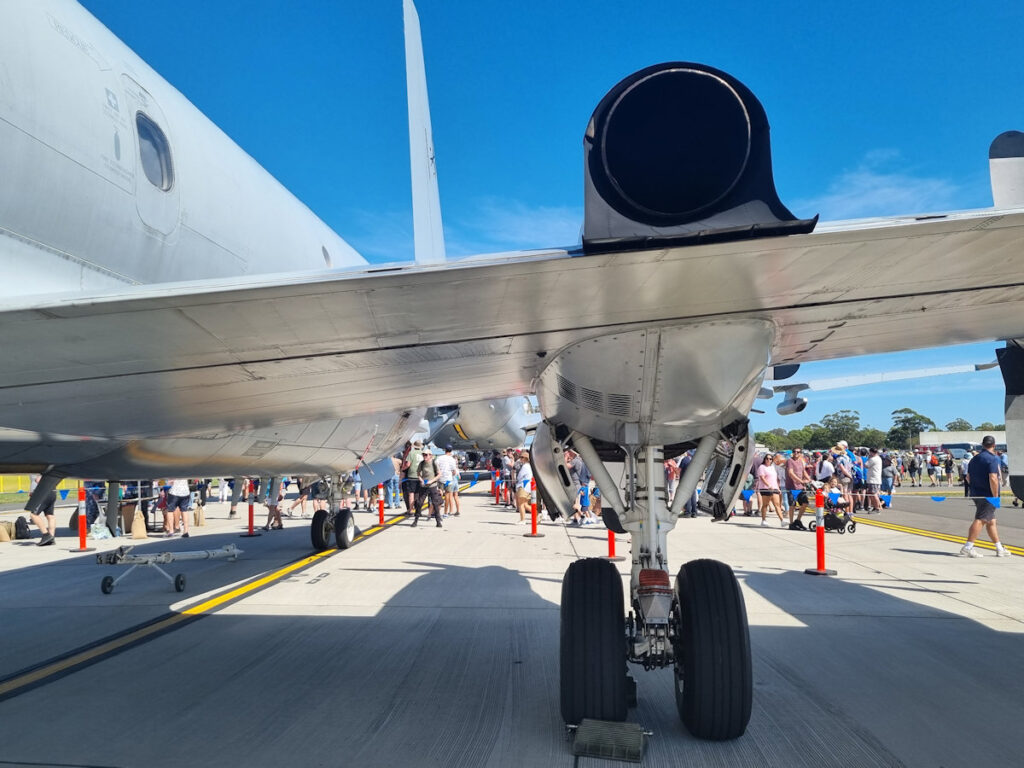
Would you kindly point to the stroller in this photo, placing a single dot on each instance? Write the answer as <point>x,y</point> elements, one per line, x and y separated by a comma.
<point>836,518</point>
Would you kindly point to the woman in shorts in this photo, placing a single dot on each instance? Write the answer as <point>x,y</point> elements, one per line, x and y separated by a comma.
<point>523,487</point>
<point>768,490</point>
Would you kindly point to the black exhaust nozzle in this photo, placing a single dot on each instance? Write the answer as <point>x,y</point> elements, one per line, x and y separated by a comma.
<point>679,150</point>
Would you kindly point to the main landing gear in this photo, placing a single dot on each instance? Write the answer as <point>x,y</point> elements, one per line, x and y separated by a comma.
<point>329,528</point>
<point>698,628</point>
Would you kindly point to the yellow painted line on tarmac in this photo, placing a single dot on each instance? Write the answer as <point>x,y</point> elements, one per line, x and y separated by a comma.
<point>933,534</point>
<point>261,582</point>
<point>272,577</point>
<point>55,668</point>
<point>65,664</point>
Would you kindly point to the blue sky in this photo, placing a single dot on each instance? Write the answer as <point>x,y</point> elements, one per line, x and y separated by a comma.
<point>873,112</point>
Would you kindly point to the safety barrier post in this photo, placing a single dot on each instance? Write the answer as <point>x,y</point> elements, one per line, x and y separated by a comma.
<point>533,512</point>
<point>380,503</point>
<point>819,515</point>
<point>83,524</point>
<point>496,485</point>
<point>252,498</point>
<point>611,547</point>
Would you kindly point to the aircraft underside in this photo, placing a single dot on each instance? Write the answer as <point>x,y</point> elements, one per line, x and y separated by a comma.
<point>322,447</point>
<point>696,279</point>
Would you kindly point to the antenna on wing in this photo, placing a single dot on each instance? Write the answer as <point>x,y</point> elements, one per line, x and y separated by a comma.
<point>426,203</point>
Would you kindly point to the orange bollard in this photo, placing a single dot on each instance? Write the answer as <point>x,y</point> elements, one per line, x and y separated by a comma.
<point>821,570</point>
<point>611,547</point>
<point>533,513</point>
<point>83,525</point>
<point>249,493</point>
<point>380,502</point>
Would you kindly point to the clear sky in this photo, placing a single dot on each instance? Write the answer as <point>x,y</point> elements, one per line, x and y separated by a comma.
<point>876,109</point>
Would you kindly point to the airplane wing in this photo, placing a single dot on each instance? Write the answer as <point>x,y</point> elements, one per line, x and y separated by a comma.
<point>253,351</point>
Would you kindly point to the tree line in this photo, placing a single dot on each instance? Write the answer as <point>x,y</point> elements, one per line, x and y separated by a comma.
<point>845,425</point>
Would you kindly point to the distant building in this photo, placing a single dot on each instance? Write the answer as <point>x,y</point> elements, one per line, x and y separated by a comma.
<point>957,438</point>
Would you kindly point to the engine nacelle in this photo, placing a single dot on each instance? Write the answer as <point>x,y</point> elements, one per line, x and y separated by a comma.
<point>680,151</point>
<point>791,406</point>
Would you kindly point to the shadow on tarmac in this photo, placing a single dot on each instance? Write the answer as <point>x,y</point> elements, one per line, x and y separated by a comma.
<point>460,668</point>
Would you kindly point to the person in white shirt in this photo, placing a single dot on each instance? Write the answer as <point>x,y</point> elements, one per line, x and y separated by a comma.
<point>523,482</point>
<point>963,474</point>
<point>825,469</point>
<point>178,498</point>
<point>874,480</point>
<point>448,472</point>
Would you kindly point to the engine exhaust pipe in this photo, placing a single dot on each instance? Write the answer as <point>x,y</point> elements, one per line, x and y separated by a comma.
<point>678,150</point>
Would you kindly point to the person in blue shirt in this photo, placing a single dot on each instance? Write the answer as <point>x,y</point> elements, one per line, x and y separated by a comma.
<point>983,481</point>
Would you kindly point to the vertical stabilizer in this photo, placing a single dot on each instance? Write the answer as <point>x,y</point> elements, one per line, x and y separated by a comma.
<point>426,203</point>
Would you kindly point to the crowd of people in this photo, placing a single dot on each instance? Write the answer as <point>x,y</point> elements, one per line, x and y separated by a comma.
<point>779,486</point>
<point>863,479</point>
<point>513,472</point>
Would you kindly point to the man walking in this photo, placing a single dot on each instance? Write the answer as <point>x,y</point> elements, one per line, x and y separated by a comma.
<point>983,480</point>
<point>429,480</point>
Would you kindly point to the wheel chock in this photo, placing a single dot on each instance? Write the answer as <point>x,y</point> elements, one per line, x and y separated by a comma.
<point>610,740</point>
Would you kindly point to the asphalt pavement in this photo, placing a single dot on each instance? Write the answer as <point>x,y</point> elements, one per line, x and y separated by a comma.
<point>438,647</point>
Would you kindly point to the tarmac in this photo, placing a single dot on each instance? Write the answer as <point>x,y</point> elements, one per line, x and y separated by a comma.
<point>439,647</point>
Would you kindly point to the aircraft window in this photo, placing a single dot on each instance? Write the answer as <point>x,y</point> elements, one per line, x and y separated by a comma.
<point>155,153</point>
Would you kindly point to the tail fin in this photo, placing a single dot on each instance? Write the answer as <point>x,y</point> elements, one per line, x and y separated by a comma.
<point>426,203</point>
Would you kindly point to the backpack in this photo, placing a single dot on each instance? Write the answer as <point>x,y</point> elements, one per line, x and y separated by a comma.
<point>21,529</point>
<point>934,460</point>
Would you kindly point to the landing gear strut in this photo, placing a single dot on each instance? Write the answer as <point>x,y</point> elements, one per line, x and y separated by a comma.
<point>699,627</point>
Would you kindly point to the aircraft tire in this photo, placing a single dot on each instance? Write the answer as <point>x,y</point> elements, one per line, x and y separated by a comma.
<point>344,528</point>
<point>321,530</point>
<point>714,682</point>
<point>107,585</point>
<point>593,643</point>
